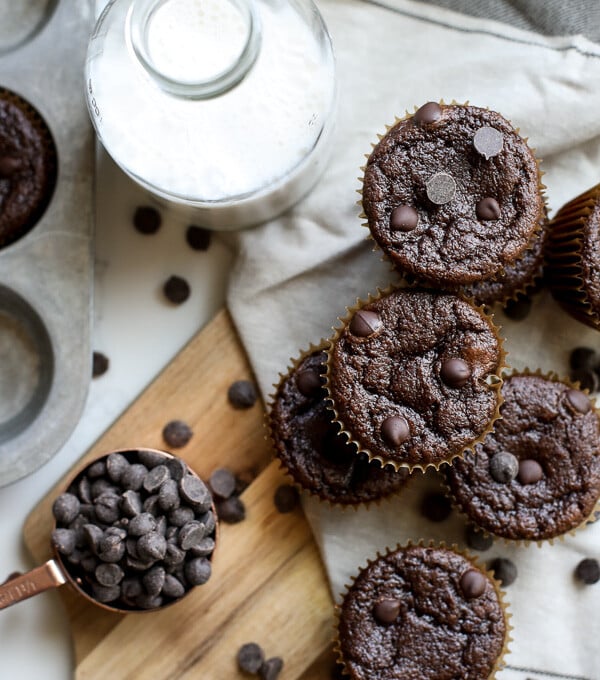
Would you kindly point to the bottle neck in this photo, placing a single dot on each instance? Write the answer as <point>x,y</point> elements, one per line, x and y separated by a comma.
<point>195,49</point>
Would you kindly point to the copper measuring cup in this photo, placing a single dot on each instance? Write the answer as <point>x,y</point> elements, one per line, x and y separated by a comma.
<point>55,573</point>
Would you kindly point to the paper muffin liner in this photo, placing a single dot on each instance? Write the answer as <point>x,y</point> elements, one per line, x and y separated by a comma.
<point>564,253</point>
<point>526,542</point>
<point>474,561</point>
<point>385,255</point>
<point>494,381</point>
<point>287,471</point>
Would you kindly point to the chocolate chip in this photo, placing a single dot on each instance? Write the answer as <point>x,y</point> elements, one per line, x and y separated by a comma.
<point>579,401</point>
<point>286,498</point>
<point>472,584</point>
<point>131,587</point>
<point>177,433</point>
<point>477,539</point>
<point>168,495</point>
<point>144,601</point>
<point>97,469</point>
<point>194,492</point>
<point>204,548</point>
<point>197,571</point>
<point>64,541</point>
<point>488,209</point>
<point>131,503</point>
<point>386,610</point>
<point>172,587</point>
<point>583,357</point>
<point>428,113</point>
<point>111,548</point>
<point>66,508</point>
<point>271,668</point>
<point>504,467</point>
<point>154,580</point>
<point>146,219</point>
<point>151,546</point>
<point>309,382</point>
<point>92,535</point>
<point>395,430</point>
<point>109,574</point>
<point>518,309</point>
<point>242,394</point>
<point>403,218</point>
<point>105,594</point>
<point>100,486</point>
<point>141,524</point>
<point>116,464</point>
<point>133,477</point>
<point>174,554</point>
<point>180,516</point>
<point>504,570</point>
<point>440,188</point>
<point>151,458</point>
<point>191,534</point>
<point>530,471</point>
<point>250,657</point>
<point>488,141</point>
<point>84,490</point>
<point>100,364</point>
<point>232,510</point>
<point>198,238</point>
<point>588,571</point>
<point>364,323</point>
<point>9,165</point>
<point>107,507</point>
<point>455,372</point>
<point>222,482</point>
<point>436,507</point>
<point>176,289</point>
<point>587,379</point>
<point>155,478</point>
<point>177,468</point>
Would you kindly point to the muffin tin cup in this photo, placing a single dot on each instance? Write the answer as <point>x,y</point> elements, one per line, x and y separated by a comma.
<point>289,473</point>
<point>500,661</point>
<point>524,542</point>
<point>385,256</point>
<point>564,252</point>
<point>46,274</point>
<point>494,383</point>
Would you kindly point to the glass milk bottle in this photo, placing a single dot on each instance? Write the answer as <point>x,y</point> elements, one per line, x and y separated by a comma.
<point>220,107</point>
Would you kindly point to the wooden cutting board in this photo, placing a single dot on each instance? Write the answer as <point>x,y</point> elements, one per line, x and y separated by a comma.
<point>268,584</point>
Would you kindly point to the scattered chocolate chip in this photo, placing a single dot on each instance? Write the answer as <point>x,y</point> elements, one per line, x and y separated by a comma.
<point>488,141</point>
<point>472,584</point>
<point>177,433</point>
<point>364,323</point>
<point>309,382</point>
<point>100,364</point>
<point>518,309</point>
<point>428,113</point>
<point>530,471</point>
<point>504,570</point>
<point>222,482</point>
<point>242,394</point>
<point>583,357</point>
<point>271,668</point>
<point>9,165</point>
<point>587,379</point>
<point>146,219</point>
<point>395,430</point>
<point>386,610</point>
<point>250,657</point>
<point>176,289</point>
<point>579,401</point>
<point>404,218</point>
<point>64,541</point>
<point>455,372</point>
<point>286,498</point>
<point>440,188</point>
<point>198,238</point>
<point>588,571</point>
<point>488,209</point>
<point>504,467</point>
<point>66,508</point>
<point>477,539</point>
<point>436,507</point>
<point>231,510</point>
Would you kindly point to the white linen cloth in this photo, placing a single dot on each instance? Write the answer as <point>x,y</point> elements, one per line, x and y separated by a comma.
<point>295,275</point>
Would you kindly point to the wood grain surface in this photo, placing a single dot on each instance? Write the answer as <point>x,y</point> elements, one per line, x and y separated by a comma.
<point>268,583</point>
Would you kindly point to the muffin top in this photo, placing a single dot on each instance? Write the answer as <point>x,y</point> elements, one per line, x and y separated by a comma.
<point>537,475</point>
<point>27,166</point>
<point>452,194</point>
<point>309,445</point>
<point>407,377</point>
<point>421,612</point>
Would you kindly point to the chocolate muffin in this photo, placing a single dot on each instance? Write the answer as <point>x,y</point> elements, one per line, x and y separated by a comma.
<point>310,448</point>
<point>573,257</point>
<point>422,612</point>
<point>452,194</point>
<point>537,476</point>
<point>413,376</point>
<point>28,166</point>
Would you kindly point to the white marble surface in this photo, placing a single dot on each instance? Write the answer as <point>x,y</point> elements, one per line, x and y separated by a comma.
<point>140,332</point>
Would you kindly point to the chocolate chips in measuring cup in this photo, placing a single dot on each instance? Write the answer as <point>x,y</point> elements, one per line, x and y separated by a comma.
<point>136,529</point>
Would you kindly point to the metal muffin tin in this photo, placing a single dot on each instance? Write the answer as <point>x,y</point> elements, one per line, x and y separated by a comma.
<point>46,276</point>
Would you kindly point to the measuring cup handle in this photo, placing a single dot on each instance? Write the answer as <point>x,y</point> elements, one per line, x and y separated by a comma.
<point>23,586</point>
